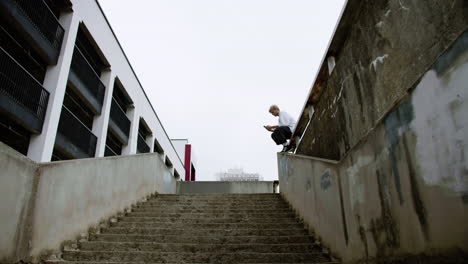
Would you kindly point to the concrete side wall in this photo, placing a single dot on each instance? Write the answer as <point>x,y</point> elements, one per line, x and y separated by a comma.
<point>382,49</point>
<point>54,202</point>
<point>18,175</point>
<point>403,191</point>
<point>225,187</point>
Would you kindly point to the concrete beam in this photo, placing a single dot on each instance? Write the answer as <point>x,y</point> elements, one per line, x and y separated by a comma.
<point>226,187</point>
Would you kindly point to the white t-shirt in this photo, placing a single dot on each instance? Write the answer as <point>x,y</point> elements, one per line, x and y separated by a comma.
<point>286,120</point>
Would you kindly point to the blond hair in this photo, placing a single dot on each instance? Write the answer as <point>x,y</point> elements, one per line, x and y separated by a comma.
<point>273,107</point>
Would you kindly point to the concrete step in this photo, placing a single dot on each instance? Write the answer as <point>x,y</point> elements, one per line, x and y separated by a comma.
<point>217,194</point>
<point>212,211</point>
<point>197,226</point>
<point>178,220</point>
<point>206,216</point>
<point>215,199</point>
<point>203,239</point>
<point>201,232</point>
<point>110,262</point>
<point>165,206</point>
<point>218,199</point>
<point>217,202</point>
<point>178,257</point>
<point>197,248</point>
<point>202,228</point>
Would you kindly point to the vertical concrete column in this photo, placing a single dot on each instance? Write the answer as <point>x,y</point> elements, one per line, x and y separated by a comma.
<point>133,137</point>
<point>101,121</point>
<point>41,146</point>
<point>150,142</point>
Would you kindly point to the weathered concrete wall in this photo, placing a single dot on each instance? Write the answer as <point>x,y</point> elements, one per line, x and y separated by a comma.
<point>381,48</point>
<point>403,191</point>
<point>225,187</point>
<point>18,175</point>
<point>46,204</point>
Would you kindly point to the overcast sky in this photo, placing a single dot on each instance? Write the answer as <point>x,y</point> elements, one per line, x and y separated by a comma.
<point>212,68</point>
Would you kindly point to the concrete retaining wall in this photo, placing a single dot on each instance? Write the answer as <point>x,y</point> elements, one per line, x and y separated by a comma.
<point>225,187</point>
<point>403,191</point>
<point>381,49</point>
<point>42,205</point>
<point>18,175</point>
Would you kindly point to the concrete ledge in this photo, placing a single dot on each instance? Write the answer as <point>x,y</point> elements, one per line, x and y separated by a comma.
<point>43,205</point>
<point>308,157</point>
<point>226,187</point>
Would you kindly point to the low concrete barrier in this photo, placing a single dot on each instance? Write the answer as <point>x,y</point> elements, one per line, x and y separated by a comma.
<point>43,205</point>
<point>226,187</point>
<point>367,212</point>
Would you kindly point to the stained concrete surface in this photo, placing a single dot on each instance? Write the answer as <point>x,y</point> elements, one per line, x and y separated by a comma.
<point>382,49</point>
<point>202,228</point>
<point>46,204</point>
<point>18,175</point>
<point>400,194</point>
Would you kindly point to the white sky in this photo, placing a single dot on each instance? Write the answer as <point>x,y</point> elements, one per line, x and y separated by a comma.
<point>211,69</point>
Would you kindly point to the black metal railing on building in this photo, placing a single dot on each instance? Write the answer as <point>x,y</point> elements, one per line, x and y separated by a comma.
<point>109,152</point>
<point>44,20</point>
<point>76,132</point>
<point>23,56</point>
<point>87,75</point>
<point>119,117</point>
<point>142,147</point>
<point>22,88</point>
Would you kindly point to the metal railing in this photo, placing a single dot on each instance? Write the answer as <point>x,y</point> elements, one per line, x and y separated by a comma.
<point>81,67</point>
<point>119,117</point>
<point>22,87</point>
<point>75,131</point>
<point>21,55</point>
<point>142,147</point>
<point>43,19</point>
<point>108,152</point>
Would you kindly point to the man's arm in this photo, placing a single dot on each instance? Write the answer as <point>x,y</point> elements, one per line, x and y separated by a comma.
<point>270,128</point>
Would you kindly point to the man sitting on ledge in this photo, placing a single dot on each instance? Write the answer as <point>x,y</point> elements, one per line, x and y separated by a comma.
<point>283,131</point>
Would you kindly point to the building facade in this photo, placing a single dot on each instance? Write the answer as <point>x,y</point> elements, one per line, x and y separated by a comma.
<point>186,153</point>
<point>67,89</point>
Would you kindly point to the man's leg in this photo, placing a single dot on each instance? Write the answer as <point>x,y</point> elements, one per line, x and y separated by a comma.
<point>278,136</point>
<point>286,134</point>
<point>289,145</point>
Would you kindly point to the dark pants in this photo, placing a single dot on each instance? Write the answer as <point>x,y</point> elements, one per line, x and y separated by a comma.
<point>281,135</point>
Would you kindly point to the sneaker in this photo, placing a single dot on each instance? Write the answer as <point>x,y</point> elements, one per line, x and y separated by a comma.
<point>287,148</point>
<point>293,148</point>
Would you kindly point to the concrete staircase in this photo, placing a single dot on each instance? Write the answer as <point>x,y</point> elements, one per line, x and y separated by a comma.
<point>202,228</point>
